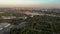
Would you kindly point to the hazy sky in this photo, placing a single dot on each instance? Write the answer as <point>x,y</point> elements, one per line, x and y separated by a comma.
<point>30,3</point>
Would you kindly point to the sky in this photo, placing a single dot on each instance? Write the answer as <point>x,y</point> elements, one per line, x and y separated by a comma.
<point>30,3</point>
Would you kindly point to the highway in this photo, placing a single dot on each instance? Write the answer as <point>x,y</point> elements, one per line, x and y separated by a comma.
<point>6,29</point>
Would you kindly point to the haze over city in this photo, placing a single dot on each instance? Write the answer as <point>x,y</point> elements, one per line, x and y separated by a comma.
<point>29,16</point>
<point>30,3</point>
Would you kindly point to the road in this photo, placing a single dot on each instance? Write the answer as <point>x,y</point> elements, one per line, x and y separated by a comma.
<point>4,30</point>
